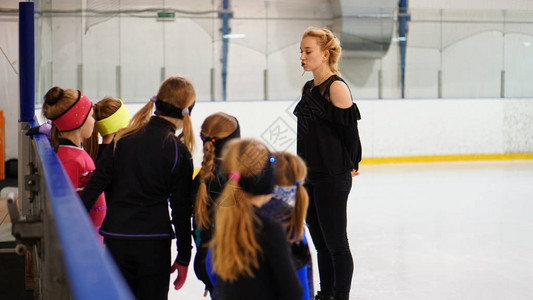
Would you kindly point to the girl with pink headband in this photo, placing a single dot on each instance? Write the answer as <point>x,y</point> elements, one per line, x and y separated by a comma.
<point>72,129</point>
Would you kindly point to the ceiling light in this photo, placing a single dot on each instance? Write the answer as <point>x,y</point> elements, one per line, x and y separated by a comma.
<point>234,36</point>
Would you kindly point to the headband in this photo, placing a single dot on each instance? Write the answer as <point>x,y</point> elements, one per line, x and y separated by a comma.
<point>114,122</point>
<point>220,143</point>
<point>262,183</point>
<point>74,117</point>
<point>166,109</point>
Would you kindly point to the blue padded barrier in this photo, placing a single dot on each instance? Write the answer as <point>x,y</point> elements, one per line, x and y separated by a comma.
<point>91,272</point>
<point>27,61</point>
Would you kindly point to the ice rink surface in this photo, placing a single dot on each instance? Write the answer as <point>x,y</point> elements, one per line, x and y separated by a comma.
<point>454,230</point>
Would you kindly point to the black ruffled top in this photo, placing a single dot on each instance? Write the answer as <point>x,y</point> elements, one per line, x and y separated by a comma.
<point>327,137</point>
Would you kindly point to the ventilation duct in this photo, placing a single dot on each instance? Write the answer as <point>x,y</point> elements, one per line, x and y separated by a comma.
<point>365,27</point>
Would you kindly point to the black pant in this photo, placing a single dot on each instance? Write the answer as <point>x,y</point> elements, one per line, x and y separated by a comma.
<point>145,264</point>
<point>199,267</point>
<point>326,218</point>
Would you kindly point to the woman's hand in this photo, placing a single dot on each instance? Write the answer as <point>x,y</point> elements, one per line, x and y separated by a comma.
<point>354,172</point>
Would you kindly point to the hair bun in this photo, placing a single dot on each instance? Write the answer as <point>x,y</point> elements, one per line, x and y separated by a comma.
<point>53,95</point>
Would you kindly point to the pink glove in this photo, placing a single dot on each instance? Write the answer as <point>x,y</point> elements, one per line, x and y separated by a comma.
<point>182,274</point>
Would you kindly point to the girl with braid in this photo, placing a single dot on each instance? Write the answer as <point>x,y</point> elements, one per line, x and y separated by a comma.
<point>216,131</point>
<point>147,168</point>
<point>250,252</point>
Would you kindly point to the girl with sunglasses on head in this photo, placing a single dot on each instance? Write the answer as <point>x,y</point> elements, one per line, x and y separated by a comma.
<point>289,206</point>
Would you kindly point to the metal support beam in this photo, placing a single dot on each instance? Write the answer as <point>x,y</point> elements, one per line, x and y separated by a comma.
<point>163,74</point>
<point>403,18</point>
<point>439,84</point>
<point>212,83</point>
<point>118,81</point>
<point>80,77</point>
<point>27,95</point>
<point>502,84</point>
<point>27,61</point>
<point>265,84</point>
<point>27,232</point>
<point>225,15</point>
<point>380,84</point>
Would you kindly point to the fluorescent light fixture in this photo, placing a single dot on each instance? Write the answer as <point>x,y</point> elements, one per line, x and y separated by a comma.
<point>234,36</point>
<point>527,44</point>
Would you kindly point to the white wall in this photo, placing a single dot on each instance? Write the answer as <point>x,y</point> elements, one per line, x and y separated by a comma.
<point>470,47</point>
<point>470,55</point>
<point>470,42</point>
<point>462,4</point>
<point>391,128</point>
<point>9,79</point>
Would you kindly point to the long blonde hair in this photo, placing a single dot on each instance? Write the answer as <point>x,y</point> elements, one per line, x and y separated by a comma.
<point>327,41</point>
<point>235,250</point>
<point>177,91</point>
<point>218,126</point>
<point>291,170</point>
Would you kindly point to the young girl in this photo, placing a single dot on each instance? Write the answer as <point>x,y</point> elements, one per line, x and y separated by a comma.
<point>111,115</point>
<point>250,253</point>
<point>72,127</point>
<point>289,206</point>
<point>147,167</point>
<point>217,130</point>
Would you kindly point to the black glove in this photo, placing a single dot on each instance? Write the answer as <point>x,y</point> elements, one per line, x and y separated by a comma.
<point>300,254</point>
<point>44,128</point>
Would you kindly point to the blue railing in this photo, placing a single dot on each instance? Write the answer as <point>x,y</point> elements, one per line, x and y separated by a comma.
<point>90,271</point>
<point>27,61</point>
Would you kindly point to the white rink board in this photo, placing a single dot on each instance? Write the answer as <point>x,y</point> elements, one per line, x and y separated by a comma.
<point>391,128</point>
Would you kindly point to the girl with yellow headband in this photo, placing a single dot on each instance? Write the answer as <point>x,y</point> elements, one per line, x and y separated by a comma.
<point>111,115</point>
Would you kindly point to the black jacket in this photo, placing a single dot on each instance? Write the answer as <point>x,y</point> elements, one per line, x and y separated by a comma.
<point>214,188</point>
<point>280,211</point>
<point>276,276</point>
<point>147,171</point>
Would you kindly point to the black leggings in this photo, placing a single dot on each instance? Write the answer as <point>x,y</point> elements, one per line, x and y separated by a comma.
<point>326,218</point>
<point>200,268</point>
<point>145,264</point>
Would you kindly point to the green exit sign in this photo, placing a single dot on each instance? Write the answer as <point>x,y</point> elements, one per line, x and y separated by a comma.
<point>165,15</point>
